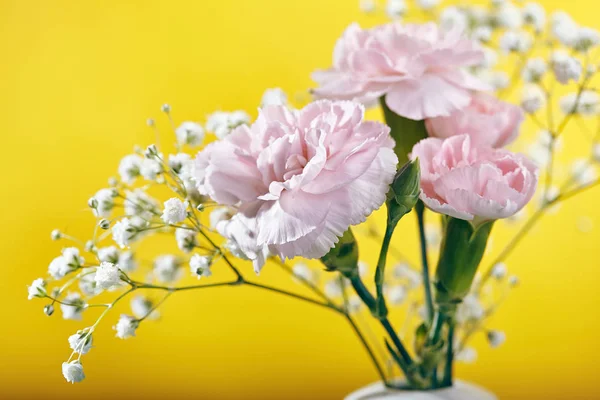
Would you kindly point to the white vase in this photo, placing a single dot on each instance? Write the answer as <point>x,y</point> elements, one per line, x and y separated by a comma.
<point>459,391</point>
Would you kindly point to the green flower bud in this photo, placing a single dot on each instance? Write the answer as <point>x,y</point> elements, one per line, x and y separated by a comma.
<point>404,191</point>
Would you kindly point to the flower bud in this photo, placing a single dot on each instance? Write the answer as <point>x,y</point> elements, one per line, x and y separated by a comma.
<point>405,132</point>
<point>55,234</point>
<point>93,203</point>
<point>104,224</point>
<point>150,122</point>
<point>404,191</point>
<point>48,309</point>
<point>151,151</point>
<point>166,108</point>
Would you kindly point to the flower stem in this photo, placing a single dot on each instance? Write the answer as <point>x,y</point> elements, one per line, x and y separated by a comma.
<point>447,381</point>
<point>420,209</point>
<point>380,306</point>
<point>365,344</point>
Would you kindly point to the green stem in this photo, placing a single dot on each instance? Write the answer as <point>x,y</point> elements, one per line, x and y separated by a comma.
<point>380,306</point>
<point>420,208</point>
<point>436,328</point>
<point>362,292</point>
<point>447,381</point>
<point>398,343</point>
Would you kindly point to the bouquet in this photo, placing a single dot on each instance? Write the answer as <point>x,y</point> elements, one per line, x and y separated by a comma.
<point>301,183</point>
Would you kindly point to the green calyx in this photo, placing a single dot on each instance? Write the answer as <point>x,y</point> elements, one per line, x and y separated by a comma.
<point>344,256</point>
<point>461,252</point>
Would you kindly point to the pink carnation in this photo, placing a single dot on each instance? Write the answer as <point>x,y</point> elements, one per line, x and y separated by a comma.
<point>300,178</point>
<point>418,68</point>
<point>487,120</point>
<point>468,182</point>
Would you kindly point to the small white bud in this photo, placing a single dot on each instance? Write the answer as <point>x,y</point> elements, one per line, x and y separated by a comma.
<point>499,270</point>
<point>93,203</point>
<point>112,181</point>
<point>104,224</point>
<point>73,371</point>
<point>166,108</point>
<point>90,246</point>
<point>496,338</point>
<point>273,97</point>
<point>513,281</point>
<point>48,309</point>
<point>453,18</point>
<point>395,8</point>
<point>302,271</point>
<point>150,122</point>
<point>367,6</point>
<point>55,234</point>
<point>468,355</point>
<point>151,151</point>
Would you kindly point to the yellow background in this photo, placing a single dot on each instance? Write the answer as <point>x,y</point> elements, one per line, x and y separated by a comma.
<point>78,80</point>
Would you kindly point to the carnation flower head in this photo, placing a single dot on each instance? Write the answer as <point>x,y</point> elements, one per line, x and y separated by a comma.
<point>418,68</point>
<point>487,120</point>
<point>473,183</point>
<point>300,178</point>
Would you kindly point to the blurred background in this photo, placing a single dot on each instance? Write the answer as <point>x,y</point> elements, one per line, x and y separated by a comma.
<point>79,80</point>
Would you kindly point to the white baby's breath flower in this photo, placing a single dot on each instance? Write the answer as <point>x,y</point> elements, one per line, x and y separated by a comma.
<point>333,288</point>
<point>354,304</point>
<point>141,306</point>
<point>563,28</point>
<point>69,261</point>
<point>403,271</point>
<point>470,309</point>
<point>129,168</point>
<point>218,215</point>
<point>534,15</point>
<point>72,306</point>
<point>178,162</point>
<point>167,268</point>
<point>303,271</point>
<point>73,371</point>
<point>367,6</point>
<point>396,294</point>
<point>127,261</point>
<point>586,39</point>
<point>533,98</point>
<point>596,152</point>
<point>200,266</point>
<point>151,168</point>
<point>565,67</point>
<point>586,103</point>
<point>363,268</point>
<point>124,232</point>
<point>515,42</point>
<point>509,16</point>
<point>108,254</point>
<point>107,276</point>
<point>273,97</point>
<point>190,133</point>
<point>37,289</point>
<point>126,326</point>
<point>534,70</point>
<point>583,173</point>
<point>496,338</point>
<point>395,8</point>
<point>186,239</point>
<point>513,280</point>
<point>482,33</point>
<point>174,211</point>
<point>221,123</point>
<point>87,282</point>
<point>104,202</point>
<point>139,203</point>
<point>56,234</point>
<point>453,18</point>
<point>499,270</point>
<point>81,342</point>
<point>427,4</point>
<point>468,355</point>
